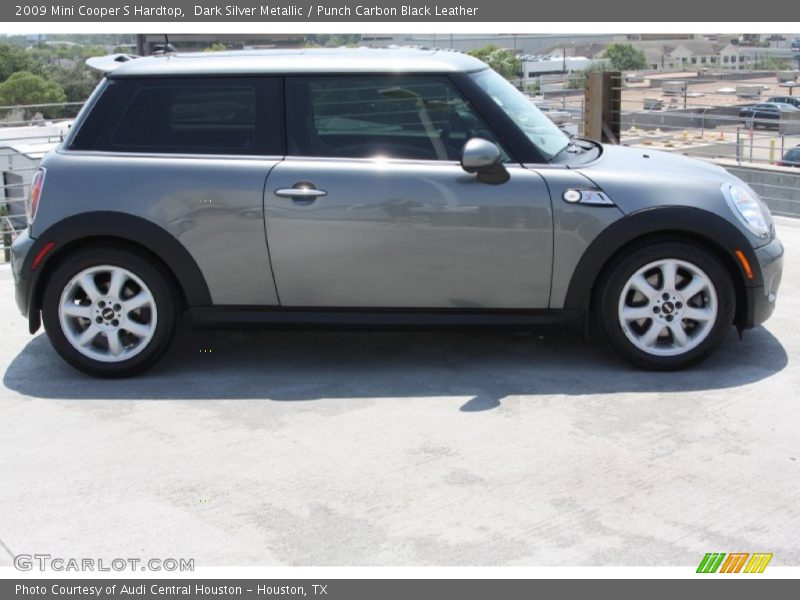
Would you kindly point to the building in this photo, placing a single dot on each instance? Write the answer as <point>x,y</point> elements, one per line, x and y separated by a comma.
<point>689,54</point>
<point>520,43</point>
<point>740,57</point>
<point>533,67</point>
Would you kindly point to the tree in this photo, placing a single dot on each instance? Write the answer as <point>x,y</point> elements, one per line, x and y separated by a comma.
<point>501,60</point>
<point>577,79</point>
<point>772,63</point>
<point>624,57</point>
<point>215,47</point>
<point>24,87</point>
<point>331,40</point>
<point>77,82</point>
<point>533,87</point>
<point>338,40</point>
<point>13,59</point>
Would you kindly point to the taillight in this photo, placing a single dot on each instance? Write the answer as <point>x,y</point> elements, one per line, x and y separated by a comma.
<point>36,192</point>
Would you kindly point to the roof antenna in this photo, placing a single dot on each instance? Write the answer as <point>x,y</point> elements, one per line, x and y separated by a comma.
<point>167,48</point>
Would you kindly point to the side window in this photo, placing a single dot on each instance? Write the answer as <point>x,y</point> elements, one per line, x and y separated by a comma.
<point>189,119</point>
<point>195,116</point>
<point>370,116</point>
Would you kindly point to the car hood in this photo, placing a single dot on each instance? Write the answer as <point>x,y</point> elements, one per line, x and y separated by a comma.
<point>636,178</point>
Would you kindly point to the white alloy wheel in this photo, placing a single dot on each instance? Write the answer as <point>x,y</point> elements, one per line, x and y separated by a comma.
<point>107,313</point>
<point>668,307</point>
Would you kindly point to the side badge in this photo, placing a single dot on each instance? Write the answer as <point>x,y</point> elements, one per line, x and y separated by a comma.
<point>590,197</point>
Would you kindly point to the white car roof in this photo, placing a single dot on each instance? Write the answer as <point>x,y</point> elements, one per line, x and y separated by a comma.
<point>344,60</point>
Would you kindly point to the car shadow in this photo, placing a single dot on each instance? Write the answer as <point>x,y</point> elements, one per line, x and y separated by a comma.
<point>312,365</point>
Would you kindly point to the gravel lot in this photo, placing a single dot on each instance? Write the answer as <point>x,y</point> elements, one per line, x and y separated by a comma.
<point>404,449</point>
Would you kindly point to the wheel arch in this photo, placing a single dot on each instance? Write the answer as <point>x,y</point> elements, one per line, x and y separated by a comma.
<point>698,226</point>
<point>119,229</point>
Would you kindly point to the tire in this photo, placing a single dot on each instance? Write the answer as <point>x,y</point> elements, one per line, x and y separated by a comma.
<point>658,326</point>
<point>102,331</point>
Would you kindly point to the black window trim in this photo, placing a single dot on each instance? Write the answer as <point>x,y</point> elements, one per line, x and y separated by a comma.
<point>517,144</point>
<point>93,116</point>
<point>520,149</point>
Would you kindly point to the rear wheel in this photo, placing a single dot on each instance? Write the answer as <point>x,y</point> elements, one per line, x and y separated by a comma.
<point>666,305</point>
<point>109,312</point>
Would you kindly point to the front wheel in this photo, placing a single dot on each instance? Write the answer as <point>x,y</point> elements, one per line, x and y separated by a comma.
<point>666,305</point>
<point>109,312</point>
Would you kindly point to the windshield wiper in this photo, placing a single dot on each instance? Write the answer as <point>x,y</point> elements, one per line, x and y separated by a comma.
<point>576,145</point>
<point>566,148</point>
<point>587,143</point>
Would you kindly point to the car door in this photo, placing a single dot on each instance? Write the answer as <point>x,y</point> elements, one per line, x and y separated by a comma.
<point>190,154</point>
<point>372,209</point>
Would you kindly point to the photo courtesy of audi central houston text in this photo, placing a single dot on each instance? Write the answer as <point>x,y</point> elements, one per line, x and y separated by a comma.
<point>375,188</point>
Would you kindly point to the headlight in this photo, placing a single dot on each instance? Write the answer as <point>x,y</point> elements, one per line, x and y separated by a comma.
<point>749,208</point>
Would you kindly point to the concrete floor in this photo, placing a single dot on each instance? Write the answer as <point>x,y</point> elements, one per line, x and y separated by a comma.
<point>405,449</point>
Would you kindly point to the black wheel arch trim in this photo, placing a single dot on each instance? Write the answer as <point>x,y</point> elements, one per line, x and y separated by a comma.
<point>696,223</point>
<point>115,226</point>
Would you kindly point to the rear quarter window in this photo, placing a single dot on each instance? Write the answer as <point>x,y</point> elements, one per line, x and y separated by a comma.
<point>208,118</point>
<point>194,116</point>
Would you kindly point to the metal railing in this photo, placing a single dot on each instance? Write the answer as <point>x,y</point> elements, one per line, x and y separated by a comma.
<point>700,119</point>
<point>12,211</point>
<point>27,132</point>
<point>34,114</point>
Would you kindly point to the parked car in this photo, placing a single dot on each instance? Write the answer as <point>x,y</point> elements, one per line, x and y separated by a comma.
<point>792,100</point>
<point>362,188</point>
<point>765,114</point>
<point>791,158</point>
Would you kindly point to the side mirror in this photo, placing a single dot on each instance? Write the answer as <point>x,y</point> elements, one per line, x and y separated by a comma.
<point>483,157</point>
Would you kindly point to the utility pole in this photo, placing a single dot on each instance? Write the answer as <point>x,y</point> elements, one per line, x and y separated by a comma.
<point>141,45</point>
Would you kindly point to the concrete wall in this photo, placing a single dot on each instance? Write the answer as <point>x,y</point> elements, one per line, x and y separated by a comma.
<point>680,118</point>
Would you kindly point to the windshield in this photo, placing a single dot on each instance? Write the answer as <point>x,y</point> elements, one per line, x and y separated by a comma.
<point>547,137</point>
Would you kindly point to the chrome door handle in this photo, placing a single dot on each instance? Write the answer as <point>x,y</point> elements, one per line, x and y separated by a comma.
<point>302,193</point>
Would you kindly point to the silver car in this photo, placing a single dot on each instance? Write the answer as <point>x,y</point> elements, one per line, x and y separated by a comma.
<point>373,188</point>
